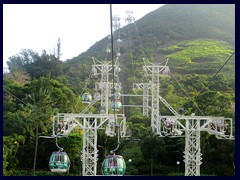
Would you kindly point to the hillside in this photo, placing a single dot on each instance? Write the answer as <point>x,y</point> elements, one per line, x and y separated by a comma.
<point>169,25</point>
<point>200,56</point>
<point>186,21</point>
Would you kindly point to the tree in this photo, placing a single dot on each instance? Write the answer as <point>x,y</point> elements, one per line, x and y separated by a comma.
<point>133,158</point>
<point>10,147</point>
<point>40,105</point>
<point>13,101</point>
<point>36,65</point>
<point>28,111</point>
<point>19,76</point>
<point>46,94</point>
<point>62,97</point>
<point>45,65</point>
<point>218,156</point>
<point>152,147</point>
<point>21,61</point>
<point>215,104</point>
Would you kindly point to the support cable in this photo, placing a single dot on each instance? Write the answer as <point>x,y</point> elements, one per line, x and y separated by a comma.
<point>14,96</point>
<point>217,72</point>
<point>141,44</point>
<point>210,81</point>
<point>114,110</point>
<point>138,35</point>
<point>186,94</point>
<point>130,47</point>
<point>84,88</point>
<point>113,68</point>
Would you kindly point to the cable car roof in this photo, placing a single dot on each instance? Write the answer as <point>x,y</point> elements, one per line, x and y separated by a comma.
<point>59,152</point>
<point>113,156</point>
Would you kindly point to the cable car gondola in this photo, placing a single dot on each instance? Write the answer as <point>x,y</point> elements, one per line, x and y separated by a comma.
<point>59,162</point>
<point>116,104</point>
<point>117,95</point>
<point>114,165</point>
<point>86,98</point>
<point>97,96</point>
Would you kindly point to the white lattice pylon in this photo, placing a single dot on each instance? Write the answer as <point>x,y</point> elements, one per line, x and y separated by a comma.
<point>105,86</point>
<point>155,71</point>
<point>192,126</point>
<point>64,123</point>
<point>176,125</point>
<point>104,68</point>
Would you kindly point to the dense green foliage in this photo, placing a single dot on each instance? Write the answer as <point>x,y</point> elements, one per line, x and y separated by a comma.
<point>197,39</point>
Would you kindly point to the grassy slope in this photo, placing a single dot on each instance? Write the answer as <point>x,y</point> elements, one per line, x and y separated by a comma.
<point>201,56</point>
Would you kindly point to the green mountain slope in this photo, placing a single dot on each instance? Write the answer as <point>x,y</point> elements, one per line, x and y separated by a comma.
<point>197,38</point>
<point>191,21</point>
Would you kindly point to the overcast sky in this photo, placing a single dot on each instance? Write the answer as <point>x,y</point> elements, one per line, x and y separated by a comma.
<point>79,26</point>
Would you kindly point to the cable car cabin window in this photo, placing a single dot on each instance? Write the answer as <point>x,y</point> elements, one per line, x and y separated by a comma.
<point>120,163</point>
<point>65,159</point>
<point>121,166</point>
<point>60,157</point>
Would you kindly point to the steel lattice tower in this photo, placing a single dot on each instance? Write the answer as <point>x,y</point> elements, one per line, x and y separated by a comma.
<point>104,67</point>
<point>155,70</point>
<point>176,126</point>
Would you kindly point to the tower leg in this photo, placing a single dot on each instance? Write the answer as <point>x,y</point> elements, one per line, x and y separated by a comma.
<point>192,148</point>
<point>89,153</point>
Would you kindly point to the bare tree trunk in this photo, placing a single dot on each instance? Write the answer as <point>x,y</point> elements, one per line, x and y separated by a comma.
<point>35,153</point>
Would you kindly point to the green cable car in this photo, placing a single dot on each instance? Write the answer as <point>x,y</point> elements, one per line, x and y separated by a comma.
<point>117,95</point>
<point>86,98</point>
<point>116,104</point>
<point>59,162</point>
<point>113,165</point>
